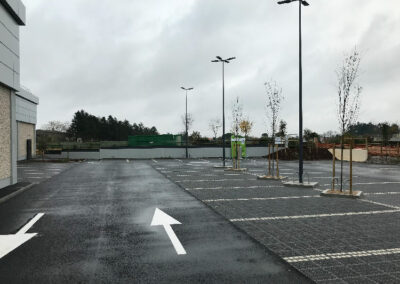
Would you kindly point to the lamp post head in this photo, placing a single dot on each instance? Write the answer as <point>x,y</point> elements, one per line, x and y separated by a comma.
<point>305,3</point>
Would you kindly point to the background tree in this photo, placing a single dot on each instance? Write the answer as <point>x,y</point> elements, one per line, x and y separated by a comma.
<point>56,125</point>
<point>92,128</point>
<point>282,129</point>
<point>189,122</point>
<point>274,100</point>
<point>246,126</point>
<point>195,136</point>
<point>309,135</point>
<point>348,98</point>
<point>215,125</point>
<point>384,128</point>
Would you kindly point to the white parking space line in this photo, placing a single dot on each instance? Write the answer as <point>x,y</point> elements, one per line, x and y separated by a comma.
<point>235,187</point>
<point>379,203</point>
<point>35,173</point>
<point>371,183</point>
<point>314,216</point>
<point>210,180</point>
<point>155,161</point>
<point>261,198</point>
<point>350,254</point>
<point>382,193</point>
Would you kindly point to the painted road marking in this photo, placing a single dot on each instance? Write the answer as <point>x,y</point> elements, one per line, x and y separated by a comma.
<point>382,193</point>
<point>379,203</point>
<point>211,180</point>
<point>314,216</point>
<point>8,243</point>
<point>261,198</point>
<point>163,219</point>
<point>363,253</point>
<point>154,161</point>
<point>235,187</point>
<point>35,177</point>
<point>371,183</point>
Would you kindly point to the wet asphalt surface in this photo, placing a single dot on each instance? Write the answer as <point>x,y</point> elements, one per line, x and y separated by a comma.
<point>96,229</point>
<point>331,240</point>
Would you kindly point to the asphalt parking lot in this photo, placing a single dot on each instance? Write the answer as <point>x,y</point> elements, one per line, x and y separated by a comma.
<point>91,223</point>
<point>36,172</point>
<point>331,240</point>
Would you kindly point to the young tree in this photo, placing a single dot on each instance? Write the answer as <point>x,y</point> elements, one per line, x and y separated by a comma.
<point>348,98</point>
<point>215,125</point>
<point>274,100</point>
<point>245,126</point>
<point>237,117</point>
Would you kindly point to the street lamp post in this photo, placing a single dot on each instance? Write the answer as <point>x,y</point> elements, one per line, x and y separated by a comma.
<point>186,119</point>
<point>223,61</point>
<point>305,3</point>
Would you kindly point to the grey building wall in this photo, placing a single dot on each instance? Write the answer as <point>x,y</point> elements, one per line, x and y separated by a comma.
<point>26,108</point>
<point>26,116</point>
<point>12,15</point>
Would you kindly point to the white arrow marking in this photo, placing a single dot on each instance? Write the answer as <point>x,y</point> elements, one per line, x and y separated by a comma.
<point>8,243</point>
<point>161,218</point>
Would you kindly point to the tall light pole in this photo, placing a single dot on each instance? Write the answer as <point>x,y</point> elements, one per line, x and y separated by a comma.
<point>223,61</point>
<point>186,119</point>
<point>305,3</point>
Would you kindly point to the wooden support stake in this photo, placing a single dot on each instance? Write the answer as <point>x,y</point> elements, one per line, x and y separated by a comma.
<point>277,161</point>
<point>351,166</point>
<point>269,159</point>
<point>333,167</point>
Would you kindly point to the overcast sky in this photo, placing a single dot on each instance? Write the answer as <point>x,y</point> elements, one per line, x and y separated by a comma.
<point>128,58</point>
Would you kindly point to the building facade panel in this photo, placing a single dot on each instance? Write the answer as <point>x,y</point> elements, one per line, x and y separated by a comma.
<point>25,111</point>
<point>5,135</point>
<point>26,132</point>
<point>9,42</point>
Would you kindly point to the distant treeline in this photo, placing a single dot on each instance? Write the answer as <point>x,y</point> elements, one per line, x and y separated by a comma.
<point>384,130</point>
<point>90,127</point>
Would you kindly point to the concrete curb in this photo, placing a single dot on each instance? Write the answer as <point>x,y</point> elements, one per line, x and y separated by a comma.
<point>297,184</point>
<point>271,177</point>
<point>356,194</point>
<point>15,193</point>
